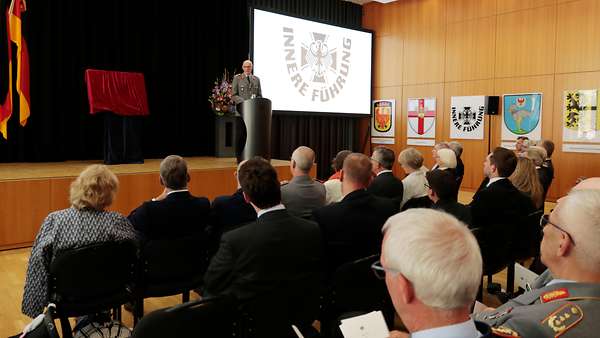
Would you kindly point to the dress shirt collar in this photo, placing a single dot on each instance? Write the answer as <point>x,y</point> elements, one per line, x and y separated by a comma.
<point>462,330</point>
<point>556,281</point>
<point>264,211</point>
<point>384,171</point>
<point>180,190</point>
<point>494,179</point>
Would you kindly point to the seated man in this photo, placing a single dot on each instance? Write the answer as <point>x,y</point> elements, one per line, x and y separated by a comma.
<point>333,186</point>
<point>352,227</point>
<point>442,187</point>
<point>230,212</point>
<point>432,267</point>
<point>275,250</point>
<point>175,213</point>
<point>499,209</point>
<point>565,304</point>
<point>385,184</point>
<point>302,194</point>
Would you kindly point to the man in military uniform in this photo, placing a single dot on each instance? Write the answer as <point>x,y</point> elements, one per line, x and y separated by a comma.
<point>565,300</point>
<point>246,85</point>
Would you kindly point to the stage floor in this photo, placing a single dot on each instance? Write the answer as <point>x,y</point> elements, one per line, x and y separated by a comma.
<point>26,171</point>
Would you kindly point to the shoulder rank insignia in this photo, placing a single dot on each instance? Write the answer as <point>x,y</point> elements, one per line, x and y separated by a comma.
<point>563,319</point>
<point>503,331</point>
<point>554,295</point>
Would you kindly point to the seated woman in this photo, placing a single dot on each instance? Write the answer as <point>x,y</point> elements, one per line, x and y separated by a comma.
<point>445,159</point>
<point>85,222</point>
<point>525,179</point>
<point>411,161</point>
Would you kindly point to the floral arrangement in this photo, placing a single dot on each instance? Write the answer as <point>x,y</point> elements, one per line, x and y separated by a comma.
<point>220,97</point>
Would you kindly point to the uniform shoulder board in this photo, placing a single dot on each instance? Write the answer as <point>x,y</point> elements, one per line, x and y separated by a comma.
<point>554,295</point>
<point>562,319</point>
<point>504,331</point>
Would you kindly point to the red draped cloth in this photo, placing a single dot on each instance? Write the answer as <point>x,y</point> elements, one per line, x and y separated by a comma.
<point>122,93</point>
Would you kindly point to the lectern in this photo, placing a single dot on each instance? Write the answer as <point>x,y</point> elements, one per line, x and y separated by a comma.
<point>254,137</point>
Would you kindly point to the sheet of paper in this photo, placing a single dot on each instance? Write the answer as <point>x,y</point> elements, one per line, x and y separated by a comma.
<point>370,325</point>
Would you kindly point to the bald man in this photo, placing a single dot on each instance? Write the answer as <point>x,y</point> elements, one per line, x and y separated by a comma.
<point>246,85</point>
<point>302,194</point>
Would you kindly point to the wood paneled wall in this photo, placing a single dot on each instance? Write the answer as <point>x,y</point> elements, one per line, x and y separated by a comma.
<point>446,48</point>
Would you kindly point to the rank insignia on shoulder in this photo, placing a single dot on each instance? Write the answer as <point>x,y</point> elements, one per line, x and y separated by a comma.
<point>563,319</point>
<point>554,295</point>
<point>503,331</point>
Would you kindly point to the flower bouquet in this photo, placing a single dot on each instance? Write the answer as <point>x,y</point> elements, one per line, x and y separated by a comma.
<point>220,97</point>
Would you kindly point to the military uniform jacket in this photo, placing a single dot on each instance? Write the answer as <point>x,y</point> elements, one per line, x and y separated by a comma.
<point>561,309</point>
<point>243,87</point>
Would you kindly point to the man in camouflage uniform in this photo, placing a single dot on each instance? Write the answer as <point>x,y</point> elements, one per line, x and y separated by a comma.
<point>565,300</point>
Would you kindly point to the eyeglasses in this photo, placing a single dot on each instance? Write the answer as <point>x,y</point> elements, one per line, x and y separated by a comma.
<point>427,185</point>
<point>379,270</point>
<point>545,220</point>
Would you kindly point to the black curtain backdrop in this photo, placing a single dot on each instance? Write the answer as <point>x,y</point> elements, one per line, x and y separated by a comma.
<point>180,49</point>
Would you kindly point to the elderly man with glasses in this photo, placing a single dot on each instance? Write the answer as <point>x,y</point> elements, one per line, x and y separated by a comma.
<point>566,299</point>
<point>432,267</point>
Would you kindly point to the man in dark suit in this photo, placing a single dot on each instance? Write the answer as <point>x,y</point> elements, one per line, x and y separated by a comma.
<point>231,211</point>
<point>352,227</point>
<point>498,209</point>
<point>269,254</point>
<point>442,186</point>
<point>246,85</point>
<point>175,213</point>
<point>385,184</point>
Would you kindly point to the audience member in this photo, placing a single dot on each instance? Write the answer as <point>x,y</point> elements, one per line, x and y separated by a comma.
<point>333,186</point>
<point>352,228</point>
<point>538,156</point>
<point>564,301</point>
<point>302,194</point>
<point>434,150</point>
<point>445,159</point>
<point>442,187</point>
<point>499,210</point>
<point>175,213</point>
<point>548,145</point>
<point>432,268</point>
<point>385,184</point>
<point>525,179</point>
<point>411,161</point>
<point>85,222</point>
<point>273,251</point>
<point>231,212</point>
<point>521,145</point>
<point>460,167</point>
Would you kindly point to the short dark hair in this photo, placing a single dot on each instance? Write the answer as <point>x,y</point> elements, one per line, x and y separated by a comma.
<point>357,169</point>
<point>549,146</point>
<point>258,180</point>
<point>338,161</point>
<point>385,157</point>
<point>523,138</point>
<point>174,172</point>
<point>505,161</point>
<point>442,182</point>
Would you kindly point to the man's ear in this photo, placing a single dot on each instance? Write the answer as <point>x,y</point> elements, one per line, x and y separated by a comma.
<point>407,292</point>
<point>246,198</point>
<point>160,179</point>
<point>342,175</point>
<point>565,246</point>
<point>188,177</point>
<point>293,164</point>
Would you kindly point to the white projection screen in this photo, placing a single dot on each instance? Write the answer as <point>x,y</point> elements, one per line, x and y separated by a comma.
<point>308,66</point>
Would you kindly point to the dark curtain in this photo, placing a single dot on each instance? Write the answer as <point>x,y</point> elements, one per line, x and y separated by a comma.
<point>180,49</point>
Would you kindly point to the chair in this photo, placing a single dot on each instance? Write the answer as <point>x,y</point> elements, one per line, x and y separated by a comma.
<point>92,279</point>
<point>417,202</point>
<point>495,257</point>
<point>46,329</point>
<point>210,317</point>
<point>354,288</point>
<point>169,267</point>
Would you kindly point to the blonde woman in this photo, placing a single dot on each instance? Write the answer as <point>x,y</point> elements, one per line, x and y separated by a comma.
<point>525,179</point>
<point>85,222</point>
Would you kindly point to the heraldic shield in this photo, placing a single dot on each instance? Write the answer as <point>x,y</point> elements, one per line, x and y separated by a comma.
<point>383,116</point>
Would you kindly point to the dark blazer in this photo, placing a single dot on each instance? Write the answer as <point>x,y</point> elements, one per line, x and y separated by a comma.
<point>230,212</point>
<point>459,172</point>
<point>275,250</point>
<point>179,215</point>
<point>352,227</point>
<point>388,186</point>
<point>460,211</point>
<point>545,176</point>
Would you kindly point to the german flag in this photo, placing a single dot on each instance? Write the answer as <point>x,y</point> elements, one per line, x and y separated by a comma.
<point>17,7</point>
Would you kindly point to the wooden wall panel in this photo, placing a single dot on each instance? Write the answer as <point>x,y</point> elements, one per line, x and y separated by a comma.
<point>470,48</point>
<point>461,10</point>
<point>578,22</point>
<point>516,5</point>
<point>388,61</point>
<point>569,166</point>
<point>25,204</point>
<point>474,151</point>
<point>525,42</point>
<point>424,24</point>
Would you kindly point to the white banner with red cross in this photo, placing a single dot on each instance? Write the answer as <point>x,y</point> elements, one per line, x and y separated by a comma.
<point>421,118</point>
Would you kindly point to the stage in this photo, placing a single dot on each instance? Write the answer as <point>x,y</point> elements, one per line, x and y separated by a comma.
<point>30,191</point>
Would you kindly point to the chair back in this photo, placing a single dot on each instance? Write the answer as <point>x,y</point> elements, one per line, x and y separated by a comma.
<point>92,278</point>
<point>526,241</point>
<point>172,266</point>
<point>209,317</point>
<point>417,202</point>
